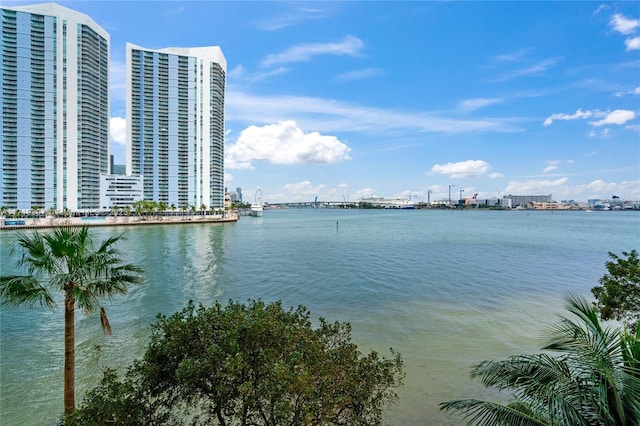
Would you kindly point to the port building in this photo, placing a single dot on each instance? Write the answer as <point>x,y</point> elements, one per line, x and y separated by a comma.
<point>175,123</point>
<point>512,201</point>
<point>55,108</point>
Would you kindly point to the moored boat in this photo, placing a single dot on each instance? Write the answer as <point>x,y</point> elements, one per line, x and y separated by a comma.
<point>256,207</point>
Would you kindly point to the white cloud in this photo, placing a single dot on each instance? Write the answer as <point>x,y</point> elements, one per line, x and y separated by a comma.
<point>365,193</point>
<point>496,175</point>
<point>328,115</point>
<point>602,134</point>
<point>578,115</point>
<point>559,189</point>
<point>408,194</point>
<point>118,130</point>
<point>117,80</point>
<point>284,143</point>
<point>510,57</point>
<point>635,91</point>
<point>553,165</point>
<point>462,169</point>
<point>477,103</point>
<point>619,116</point>
<point>350,45</point>
<point>600,9</point>
<point>304,188</point>
<point>535,187</point>
<point>228,177</point>
<point>627,190</point>
<point>359,74</point>
<point>533,69</point>
<point>624,25</point>
<point>292,18</point>
<point>632,43</point>
<point>240,73</point>
<point>600,186</point>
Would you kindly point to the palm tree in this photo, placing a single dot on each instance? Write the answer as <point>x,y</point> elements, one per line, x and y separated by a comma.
<point>114,212</point>
<point>594,381</point>
<point>139,208</point>
<point>67,260</point>
<point>127,212</point>
<point>163,206</point>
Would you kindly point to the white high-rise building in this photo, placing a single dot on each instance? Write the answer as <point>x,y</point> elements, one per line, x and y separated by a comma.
<point>175,124</point>
<point>55,108</point>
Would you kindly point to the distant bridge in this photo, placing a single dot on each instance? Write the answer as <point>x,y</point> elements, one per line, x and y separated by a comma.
<point>313,205</point>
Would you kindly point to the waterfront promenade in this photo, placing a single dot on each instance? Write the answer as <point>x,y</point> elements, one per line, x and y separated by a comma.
<point>52,222</point>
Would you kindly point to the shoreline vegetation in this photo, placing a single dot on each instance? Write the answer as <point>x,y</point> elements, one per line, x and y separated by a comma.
<point>95,221</point>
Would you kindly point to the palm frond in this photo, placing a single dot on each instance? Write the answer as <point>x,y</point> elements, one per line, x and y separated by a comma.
<point>490,413</point>
<point>106,246</point>
<point>84,299</point>
<point>539,380</point>
<point>63,242</point>
<point>104,322</point>
<point>595,379</point>
<point>35,255</point>
<point>18,290</point>
<point>597,360</point>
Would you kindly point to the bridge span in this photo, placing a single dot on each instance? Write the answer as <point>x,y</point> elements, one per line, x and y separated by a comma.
<point>313,205</point>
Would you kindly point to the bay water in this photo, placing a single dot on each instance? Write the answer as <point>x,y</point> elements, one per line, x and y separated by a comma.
<point>447,289</point>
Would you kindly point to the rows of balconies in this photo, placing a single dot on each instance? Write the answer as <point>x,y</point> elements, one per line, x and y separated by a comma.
<point>8,17</point>
<point>10,69</point>
<point>37,46</point>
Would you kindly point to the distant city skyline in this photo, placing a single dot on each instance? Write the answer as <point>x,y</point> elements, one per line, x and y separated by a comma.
<point>395,99</point>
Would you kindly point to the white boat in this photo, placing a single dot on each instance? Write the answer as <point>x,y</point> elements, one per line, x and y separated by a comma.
<point>256,207</point>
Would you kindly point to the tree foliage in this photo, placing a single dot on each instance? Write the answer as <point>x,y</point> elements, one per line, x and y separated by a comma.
<point>248,364</point>
<point>594,380</point>
<point>618,295</point>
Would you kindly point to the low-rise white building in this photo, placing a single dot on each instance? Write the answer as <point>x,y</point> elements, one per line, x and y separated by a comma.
<point>120,191</point>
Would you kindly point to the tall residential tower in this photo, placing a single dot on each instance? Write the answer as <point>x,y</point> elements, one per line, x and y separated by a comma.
<point>55,108</point>
<point>175,124</point>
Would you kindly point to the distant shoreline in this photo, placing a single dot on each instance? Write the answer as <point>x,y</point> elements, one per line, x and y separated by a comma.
<point>10,224</point>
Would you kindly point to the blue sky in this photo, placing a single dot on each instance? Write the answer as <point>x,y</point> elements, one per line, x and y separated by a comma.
<point>343,100</point>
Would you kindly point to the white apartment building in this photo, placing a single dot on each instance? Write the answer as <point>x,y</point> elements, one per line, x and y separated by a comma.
<point>120,191</point>
<point>55,108</point>
<point>175,123</point>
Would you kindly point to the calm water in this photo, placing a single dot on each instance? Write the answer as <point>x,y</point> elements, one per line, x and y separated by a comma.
<point>446,289</point>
